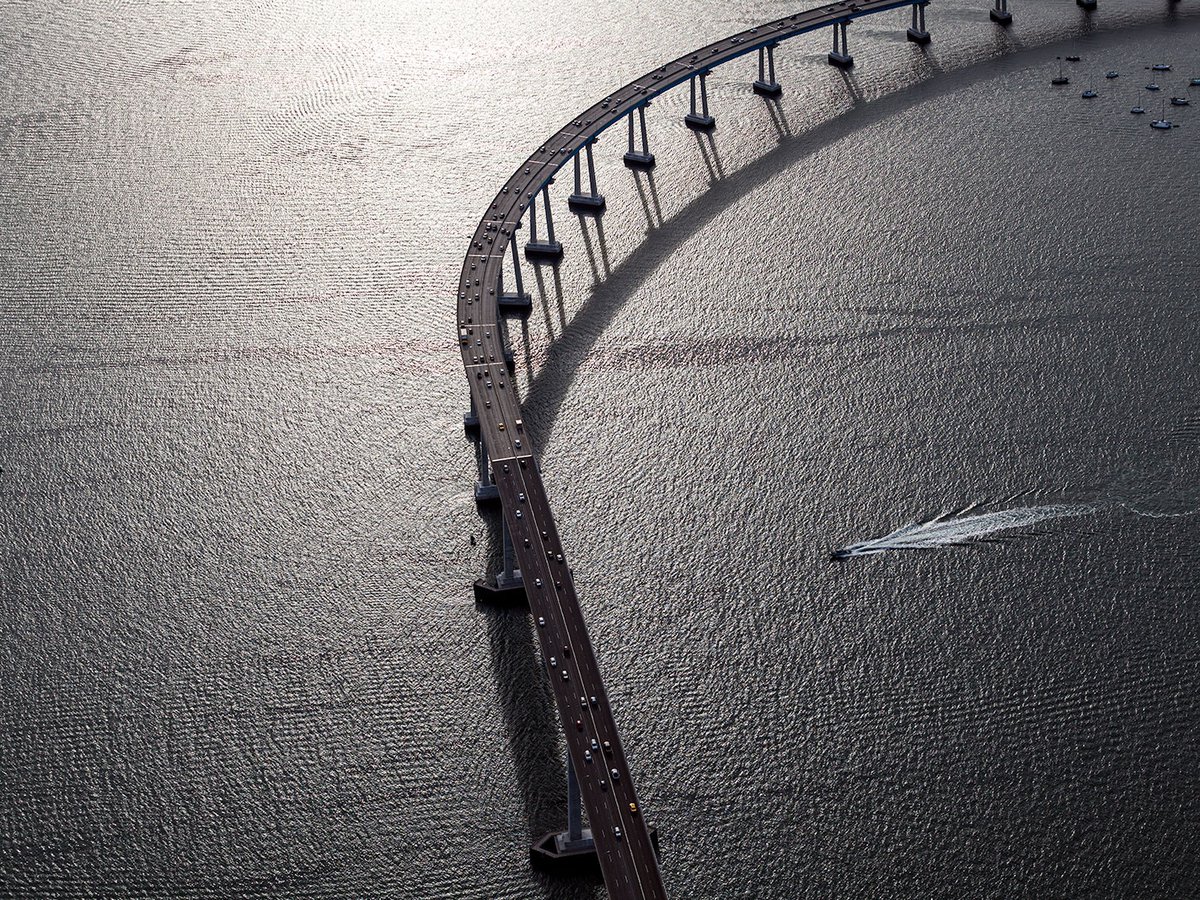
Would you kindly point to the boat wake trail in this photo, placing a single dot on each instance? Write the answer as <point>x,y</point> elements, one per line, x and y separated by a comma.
<point>951,529</point>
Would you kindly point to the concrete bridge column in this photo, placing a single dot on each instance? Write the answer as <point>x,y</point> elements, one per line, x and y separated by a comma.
<point>767,86</point>
<point>593,201</point>
<point>548,250</point>
<point>840,56</point>
<point>574,850</point>
<point>510,577</point>
<point>574,805</point>
<point>917,33</point>
<point>510,361</point>
<point>576,839</point>
<point>639,159</point>
<point>519,302</point>
<point>485,489</point>
<point>700,120</point>
<point>508,587</point>
<point>471,421</point>
<point>1000,13</point>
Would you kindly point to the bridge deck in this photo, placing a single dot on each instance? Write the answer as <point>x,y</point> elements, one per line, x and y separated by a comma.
<point>628,863</point>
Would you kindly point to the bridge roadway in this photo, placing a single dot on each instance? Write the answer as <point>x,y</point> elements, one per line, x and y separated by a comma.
<point>628,862</point>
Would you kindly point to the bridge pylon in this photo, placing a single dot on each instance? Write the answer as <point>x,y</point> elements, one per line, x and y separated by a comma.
<point>573,850</point>
<point>639,159</point>
<point>548,250</point>
<point>840,55</point>
<point>471,422</point>
<point>699,119</point>
<point>506,587</point>
<point>519,301</point>
<point>767,86</point>
<point>485,487</point>
<point>593,201</point>
<point>999,13</point>
<point>917,32</point>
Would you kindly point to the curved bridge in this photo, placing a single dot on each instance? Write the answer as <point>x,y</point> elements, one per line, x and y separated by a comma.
<point>598,773</point>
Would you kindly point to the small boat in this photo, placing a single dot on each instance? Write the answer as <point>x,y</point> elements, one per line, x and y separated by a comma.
<point>1152,86</point>
<point>1112,73</point>
<point>1160,67</point>
<point>1072,59</point>
<point>1060,78</point>
<point>1089,94</point>
<point>1162,123</point>
<point>1179,101</point>
<point>1196,82</point>
<point>1138,110</point>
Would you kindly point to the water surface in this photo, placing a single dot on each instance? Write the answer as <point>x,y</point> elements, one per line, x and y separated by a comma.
<point>241,655</point>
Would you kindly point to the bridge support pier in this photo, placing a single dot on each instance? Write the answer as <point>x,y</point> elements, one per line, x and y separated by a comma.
<point>509,587</point>
<point>593,201</point>
<point>510,361</point>
<point>639,159</point>
<point>1000,13</point>
<point>520,302</point>
<point>576,837</point>
<point>700,120</point>
<point>471,422</point>
<point>548,250</point>
<point>485,488</point>
<point>574,850</point>
<point>767,86</point>
<point>840,56</point>
<point>917,32</point>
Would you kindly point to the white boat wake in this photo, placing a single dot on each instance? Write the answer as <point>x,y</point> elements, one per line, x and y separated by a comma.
<point>959,528</point>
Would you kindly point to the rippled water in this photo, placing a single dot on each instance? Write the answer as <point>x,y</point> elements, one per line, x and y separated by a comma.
<point>239,648</point>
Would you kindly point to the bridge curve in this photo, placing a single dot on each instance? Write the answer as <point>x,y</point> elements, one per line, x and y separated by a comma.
<point>622,840</point>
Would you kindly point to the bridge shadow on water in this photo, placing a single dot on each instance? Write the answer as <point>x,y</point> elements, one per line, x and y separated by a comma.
<point>653,221</point>
<point>532,731</point>
<point>712,158</point>
<point>779,120</point>
<point>530,721</point>
<point>586,224</point>
<point>574,341</point>
<point>854,90</point>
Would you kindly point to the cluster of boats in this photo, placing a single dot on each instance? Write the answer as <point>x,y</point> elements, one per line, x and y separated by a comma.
<point>1162,123</point>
